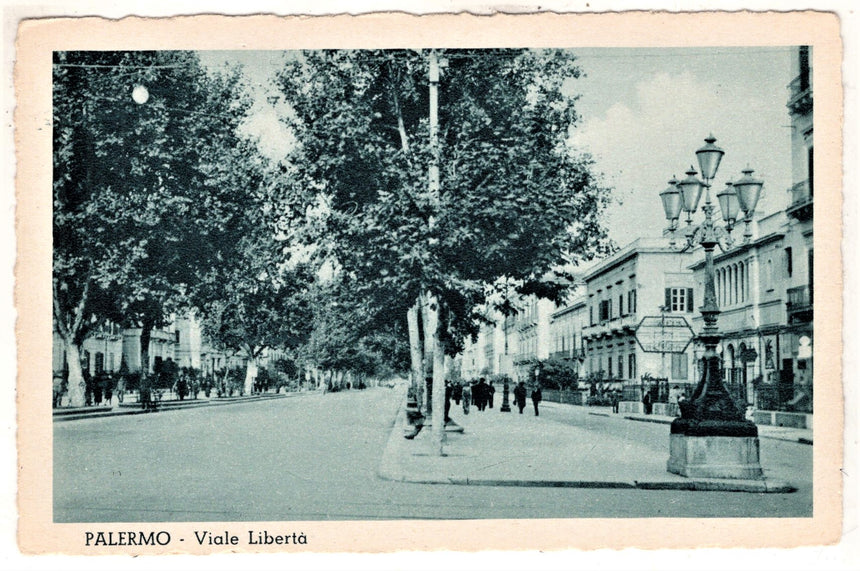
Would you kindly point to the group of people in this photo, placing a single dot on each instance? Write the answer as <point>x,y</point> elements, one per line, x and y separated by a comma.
<point>480,394</point>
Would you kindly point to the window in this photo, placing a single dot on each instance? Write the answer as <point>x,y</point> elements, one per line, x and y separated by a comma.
<point>620,366</point>
<point>631,365</point>
<point>679,365</point>
<point>809,165</point>
<point>100,362</point>
<point>631,301</point>
<point>609,367</point>
<point>590,315</point>
<point>679,299</point>
<point>605,310</point>
<point>788,262</point>
<point>621,306</point>
<point>177,336</point>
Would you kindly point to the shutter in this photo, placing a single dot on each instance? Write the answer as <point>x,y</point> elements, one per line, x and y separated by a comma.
<point>668,303</point>
<point>689,300</point>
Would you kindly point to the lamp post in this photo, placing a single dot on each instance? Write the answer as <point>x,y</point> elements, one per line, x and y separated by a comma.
<point>712,437</point>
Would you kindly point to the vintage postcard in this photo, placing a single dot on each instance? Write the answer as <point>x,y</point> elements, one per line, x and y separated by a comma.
<point>388,283</point>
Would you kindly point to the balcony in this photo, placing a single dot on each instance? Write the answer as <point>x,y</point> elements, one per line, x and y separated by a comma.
<point>568,355</point>
<point>800,98</point>
<point>801,202</point>
<point>799,304</point>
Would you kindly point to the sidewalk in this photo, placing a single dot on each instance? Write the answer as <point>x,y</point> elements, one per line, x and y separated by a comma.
<point>500,449</point>
<point>128,408</point>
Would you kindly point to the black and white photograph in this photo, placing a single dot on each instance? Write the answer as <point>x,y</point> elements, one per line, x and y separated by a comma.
<point>438,283</point>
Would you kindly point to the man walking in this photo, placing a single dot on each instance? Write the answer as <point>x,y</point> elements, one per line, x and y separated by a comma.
<point>467,397</point>
<point>520,396</point>
<point>536,398</point>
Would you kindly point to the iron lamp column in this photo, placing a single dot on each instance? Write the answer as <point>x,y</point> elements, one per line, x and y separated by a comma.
<point>712,437</point>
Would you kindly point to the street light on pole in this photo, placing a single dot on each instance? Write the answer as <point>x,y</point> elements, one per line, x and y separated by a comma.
<point>712,437</point>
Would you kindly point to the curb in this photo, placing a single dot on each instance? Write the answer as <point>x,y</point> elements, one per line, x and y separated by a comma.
<point>742,486</point>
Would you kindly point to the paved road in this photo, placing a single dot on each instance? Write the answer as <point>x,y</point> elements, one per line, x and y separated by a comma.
<point>315,457</point>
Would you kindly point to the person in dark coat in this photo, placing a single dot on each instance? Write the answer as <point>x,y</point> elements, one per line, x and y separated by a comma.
<point>520,396</point>
<point>481,394</point>
<point>491,390</point>
<point>457,393</point>
<point>536,398</point>
<point>448,393</point>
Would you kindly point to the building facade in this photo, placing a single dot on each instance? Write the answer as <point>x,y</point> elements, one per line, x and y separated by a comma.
<point>644,279</point>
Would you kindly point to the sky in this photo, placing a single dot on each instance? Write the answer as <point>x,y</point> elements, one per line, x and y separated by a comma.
<point>646,111</point>
<point>643,114</point>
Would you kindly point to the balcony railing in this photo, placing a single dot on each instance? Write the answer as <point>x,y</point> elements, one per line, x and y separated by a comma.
<point>799,303</point>
<point>800,98</point>
<point>801,201</point>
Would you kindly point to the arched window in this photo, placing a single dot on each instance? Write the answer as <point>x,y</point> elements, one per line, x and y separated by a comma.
<point>717,288</point>
<point>729,277</point>
<point>735,297</point>
<point>730,363</point>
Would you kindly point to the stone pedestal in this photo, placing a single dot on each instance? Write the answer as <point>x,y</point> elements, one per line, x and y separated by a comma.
<point>732,457</point>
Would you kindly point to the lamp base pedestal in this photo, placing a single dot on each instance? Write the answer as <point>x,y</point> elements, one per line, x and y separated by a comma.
<point>728,450</point>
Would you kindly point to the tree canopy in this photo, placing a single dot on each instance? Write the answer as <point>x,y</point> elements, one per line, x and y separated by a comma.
<point>515,200</point>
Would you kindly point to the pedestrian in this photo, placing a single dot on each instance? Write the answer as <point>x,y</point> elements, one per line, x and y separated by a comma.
<point>646,402</point>
<point>467,397</point>
<point>97,390</point>
<point>615,399</point>
<point>120,388</point>
<point>481,394</point>
<point>449,390</point>
<point>520,396</point>
<point>109,390</point>
<point>491,390</point>
<point>536,398</point>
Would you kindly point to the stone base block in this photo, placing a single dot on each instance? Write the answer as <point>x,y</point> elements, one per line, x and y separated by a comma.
<point>631,407</point>
<point>732,457</point>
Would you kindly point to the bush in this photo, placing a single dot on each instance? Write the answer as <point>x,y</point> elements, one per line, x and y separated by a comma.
<point>599,400</point>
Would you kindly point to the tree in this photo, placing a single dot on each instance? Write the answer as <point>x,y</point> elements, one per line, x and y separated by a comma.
<point>351,335</point>
<point>139,208</point>
<point>515,199</point>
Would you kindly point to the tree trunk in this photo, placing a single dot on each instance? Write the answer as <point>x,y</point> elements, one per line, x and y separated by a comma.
<point>415,353</point>
<point>77,385</point>
<point>428,323</point>
<point>250,374</point>
<point>145,379</point>
<point>438,391</point>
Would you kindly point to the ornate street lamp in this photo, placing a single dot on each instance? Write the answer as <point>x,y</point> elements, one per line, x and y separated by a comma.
<point>712,437</point>
<point>748,191</point>
<point>140,94</point>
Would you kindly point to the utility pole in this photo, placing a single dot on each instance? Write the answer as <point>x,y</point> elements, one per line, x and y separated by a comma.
<point>438,395</point>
